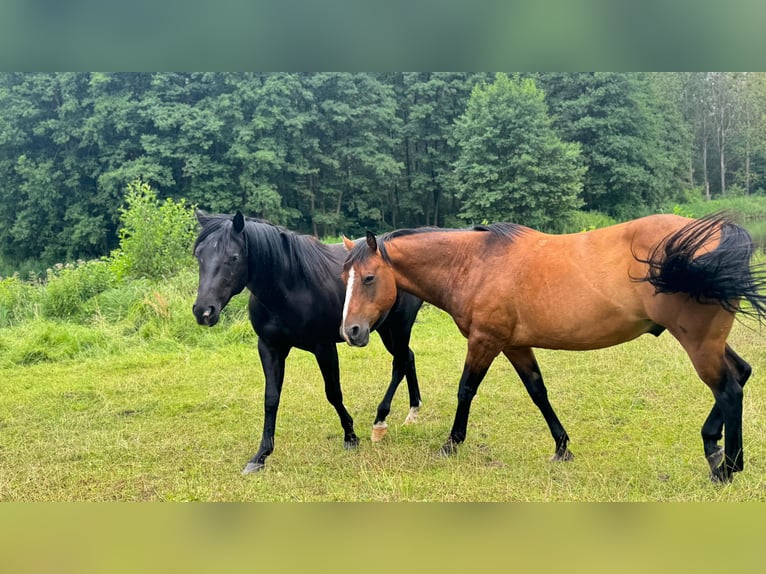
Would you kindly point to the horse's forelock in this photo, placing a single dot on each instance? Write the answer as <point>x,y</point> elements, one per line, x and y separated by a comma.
<point>212,225</point>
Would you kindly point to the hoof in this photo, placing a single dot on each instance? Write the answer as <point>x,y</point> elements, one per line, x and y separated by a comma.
<point>562,456</point>
<point>449,448</point>
<point>412,416</point>
<point>253,467</point>
<point>715,459</point>
<point>721,475</point>
<point>379,430</point>
<point>351,442</point>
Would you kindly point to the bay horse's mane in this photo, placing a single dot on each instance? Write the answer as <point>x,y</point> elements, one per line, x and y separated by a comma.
<point>277,251</point>
<point>496,232</point>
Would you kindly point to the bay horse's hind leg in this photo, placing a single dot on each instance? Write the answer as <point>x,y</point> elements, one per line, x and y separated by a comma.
<point>327,358</point>
<point>523,360</point>
<point>403,364</point>
<point>723,371</point>
<point>712,430</point>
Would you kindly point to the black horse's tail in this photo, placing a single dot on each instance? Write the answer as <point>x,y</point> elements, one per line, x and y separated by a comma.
<point>724,275</point>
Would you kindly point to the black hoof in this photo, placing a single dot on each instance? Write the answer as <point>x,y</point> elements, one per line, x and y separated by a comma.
<point>562,456</point>
<point>721,475</point>
<point>350,443</point>
<point>253,467</point>
<point>449,448</point>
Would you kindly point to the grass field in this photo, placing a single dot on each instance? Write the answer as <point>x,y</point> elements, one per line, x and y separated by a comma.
<point>178,422</point>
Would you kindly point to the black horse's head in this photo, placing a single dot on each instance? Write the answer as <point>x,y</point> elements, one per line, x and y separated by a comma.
<point>221,252</point>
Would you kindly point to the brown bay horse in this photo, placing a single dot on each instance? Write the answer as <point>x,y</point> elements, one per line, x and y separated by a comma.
<point>510,289</point>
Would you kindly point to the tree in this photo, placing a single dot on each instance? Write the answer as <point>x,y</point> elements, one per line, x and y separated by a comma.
<point>631,139</point>
<point>512,165</point>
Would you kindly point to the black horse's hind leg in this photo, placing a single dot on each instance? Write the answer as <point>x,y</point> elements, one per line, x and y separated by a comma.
<point>273,362</point>
<point>327,358</point>
<point>396,341</point>
<point>712,429</point>
<point>523,360</point>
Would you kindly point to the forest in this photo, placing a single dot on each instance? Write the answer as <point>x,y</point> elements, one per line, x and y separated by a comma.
<point>329,153</point>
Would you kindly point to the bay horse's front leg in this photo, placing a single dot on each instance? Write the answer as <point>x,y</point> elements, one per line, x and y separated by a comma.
<point>327,358</point>
<point>273,362</point>
<point>469,384</point>
<point>482,350</point>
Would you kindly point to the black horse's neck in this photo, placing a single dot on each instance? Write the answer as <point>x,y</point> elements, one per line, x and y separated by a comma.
<point>278,258</point>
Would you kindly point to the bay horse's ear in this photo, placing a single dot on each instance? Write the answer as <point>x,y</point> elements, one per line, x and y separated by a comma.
<point>347,243</point>
<point>372,243</point>
<point>239,222</point>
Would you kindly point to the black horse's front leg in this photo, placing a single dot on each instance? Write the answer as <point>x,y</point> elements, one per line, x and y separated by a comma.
<point>327,358</point>
<point>403,364</point>
<point>273,362</point>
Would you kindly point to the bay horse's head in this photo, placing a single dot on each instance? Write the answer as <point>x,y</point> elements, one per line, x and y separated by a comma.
<point>370,290</point>
<point>221,252</point>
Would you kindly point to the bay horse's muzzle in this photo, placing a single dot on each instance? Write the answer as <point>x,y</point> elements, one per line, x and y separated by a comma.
<point>205,315</point>
<point>356,335</point>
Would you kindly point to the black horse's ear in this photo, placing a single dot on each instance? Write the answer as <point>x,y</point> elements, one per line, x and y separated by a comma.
<point>239,222</point>
<point>201,216</point>
<point>372,243</point>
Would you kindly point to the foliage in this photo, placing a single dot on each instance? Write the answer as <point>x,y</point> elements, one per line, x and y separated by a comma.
<point>155,237</point>
<point>18,301</point>
<point>512,166</point>
<point>70,286</point>
<point>629,135</point>
<point>329,153</point>
<point>586,221</point>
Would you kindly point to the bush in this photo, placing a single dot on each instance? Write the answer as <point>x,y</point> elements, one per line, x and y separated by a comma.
<point>17,300</point>
<point>156,237</point>
<point>584,221</point>
<point>70,287</point>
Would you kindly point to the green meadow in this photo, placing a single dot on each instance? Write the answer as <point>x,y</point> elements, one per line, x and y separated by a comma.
<point>165,410</point>
<point>110,391</point>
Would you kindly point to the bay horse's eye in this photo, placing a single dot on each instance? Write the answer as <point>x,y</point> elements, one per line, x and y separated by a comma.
<point>368,279</point>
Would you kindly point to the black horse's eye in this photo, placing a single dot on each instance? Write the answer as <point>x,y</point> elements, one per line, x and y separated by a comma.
<point>368,279</point>
<point>234,258</point>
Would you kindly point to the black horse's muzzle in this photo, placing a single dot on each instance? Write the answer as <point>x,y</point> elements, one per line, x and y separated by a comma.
<point>206,315</point>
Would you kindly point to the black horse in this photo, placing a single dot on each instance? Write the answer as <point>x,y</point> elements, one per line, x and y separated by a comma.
<point>296,300</point>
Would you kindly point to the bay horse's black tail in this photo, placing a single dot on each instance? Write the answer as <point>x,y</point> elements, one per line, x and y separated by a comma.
<point>724,275</point>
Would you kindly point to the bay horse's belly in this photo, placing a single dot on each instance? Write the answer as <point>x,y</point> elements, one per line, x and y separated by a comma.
<point>573,314</point>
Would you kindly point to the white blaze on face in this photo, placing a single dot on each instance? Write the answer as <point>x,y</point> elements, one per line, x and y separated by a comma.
<point>349,290</point>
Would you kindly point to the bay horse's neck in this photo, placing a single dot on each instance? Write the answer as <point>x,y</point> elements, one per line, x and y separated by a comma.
<point>432,265</point>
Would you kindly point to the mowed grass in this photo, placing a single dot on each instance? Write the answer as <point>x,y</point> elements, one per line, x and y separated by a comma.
<point>179,424</point>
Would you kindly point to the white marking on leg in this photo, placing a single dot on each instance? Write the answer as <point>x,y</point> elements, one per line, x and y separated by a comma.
<point>349,290</point>
<point>412,416</point>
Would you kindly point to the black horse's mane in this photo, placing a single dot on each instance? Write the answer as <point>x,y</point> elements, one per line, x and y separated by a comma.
<point>503,232</point>
<point>275,250</point>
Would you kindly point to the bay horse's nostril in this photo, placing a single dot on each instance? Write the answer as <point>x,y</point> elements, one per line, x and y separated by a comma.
<point>354,331</point>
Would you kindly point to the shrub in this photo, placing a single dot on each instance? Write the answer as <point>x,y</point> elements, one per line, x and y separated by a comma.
<point>70,286</point>
<point>156,237</point>
<point>17,300</point>
<point>585,221</point>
